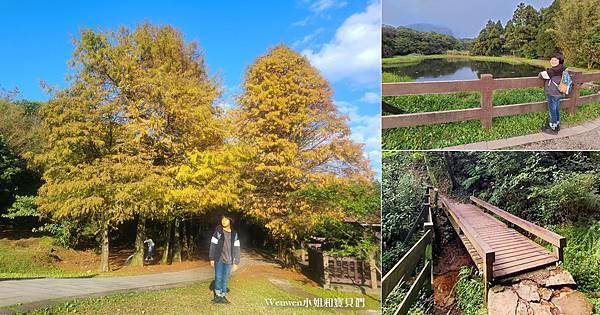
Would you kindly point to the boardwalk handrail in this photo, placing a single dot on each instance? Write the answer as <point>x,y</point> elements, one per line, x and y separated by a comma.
<point>485,251</point>
<point>558,242</point>
<point>407,264</point>
<point>486,112</point>
<point>480,245</point>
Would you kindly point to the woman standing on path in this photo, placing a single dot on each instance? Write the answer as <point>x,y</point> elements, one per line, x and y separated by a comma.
<point>553,77</point>
<point>224,255</point>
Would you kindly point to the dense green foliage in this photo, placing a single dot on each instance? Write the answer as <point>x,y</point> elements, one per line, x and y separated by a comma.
<point>469,292</point>
<point>557,190</point>
<point>402,196</point>
<point>582,255</point>
<point>404,41</point>
<point>490,41</point>
<point>522,30</point>
<point>572,27</point>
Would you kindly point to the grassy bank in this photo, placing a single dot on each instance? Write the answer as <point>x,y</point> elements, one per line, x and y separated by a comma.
<point>450,134</point>
<point>32,258</point>
<point>412,59</point>
<point>247,296</point>
<point>582,256</point>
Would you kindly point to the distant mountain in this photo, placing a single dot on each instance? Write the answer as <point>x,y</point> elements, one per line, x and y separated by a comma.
<point>425,27</point>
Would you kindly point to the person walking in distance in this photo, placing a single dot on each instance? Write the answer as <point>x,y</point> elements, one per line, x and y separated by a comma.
<point>224,255</point>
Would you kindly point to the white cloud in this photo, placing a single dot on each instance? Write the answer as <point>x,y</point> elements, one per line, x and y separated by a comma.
<point>302,22</point>
<point>370,97</point>
<point>321,6</point>
<point>354,53</point>
<point>366,129</point>
<point>306,39</point>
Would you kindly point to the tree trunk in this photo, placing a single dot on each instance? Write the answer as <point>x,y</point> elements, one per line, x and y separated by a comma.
<point>184,236</point>
<point>167,248</point>
<point>104,266</point>
<point>190,240</point>
<point>176,243</point>
<point>138,255</point>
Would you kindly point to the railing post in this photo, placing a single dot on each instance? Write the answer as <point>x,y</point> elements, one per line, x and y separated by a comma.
<point>487,95</point>
<point>572,104</point>
<point>559,250</point>
<point>326,280</point>
<point>429,253</point>
<point>373,273</point>
<point>488,273</point>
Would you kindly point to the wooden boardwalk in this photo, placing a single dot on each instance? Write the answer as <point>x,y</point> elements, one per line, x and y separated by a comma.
<point>497,249</point>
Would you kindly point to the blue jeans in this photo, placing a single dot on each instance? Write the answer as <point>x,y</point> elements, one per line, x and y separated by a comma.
<point>222,271</point>
<point>554,110</point>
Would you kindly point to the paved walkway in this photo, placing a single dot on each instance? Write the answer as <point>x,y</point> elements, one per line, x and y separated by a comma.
<point>521,141</point>
<point>44,291</point>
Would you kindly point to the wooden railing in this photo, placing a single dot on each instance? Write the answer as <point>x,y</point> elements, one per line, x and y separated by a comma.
<point>558,242</point>
<point>484,250</point>
<point>486,86</point>
<point>348,270</point>
<point>408,263</point>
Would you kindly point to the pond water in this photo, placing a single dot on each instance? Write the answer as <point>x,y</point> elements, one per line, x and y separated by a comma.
<point>461,69</point>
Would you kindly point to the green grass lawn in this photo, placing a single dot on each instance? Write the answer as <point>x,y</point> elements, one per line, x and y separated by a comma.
<point>31,258</point>
<point>450,134</point>
<point>247,296</point>
<point>413,59</point>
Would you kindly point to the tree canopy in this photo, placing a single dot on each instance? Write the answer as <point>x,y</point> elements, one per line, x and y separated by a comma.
<point>299,140</point>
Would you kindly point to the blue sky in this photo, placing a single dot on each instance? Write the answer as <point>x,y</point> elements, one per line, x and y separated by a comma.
<point>341,38</point>
<point>464,17</point>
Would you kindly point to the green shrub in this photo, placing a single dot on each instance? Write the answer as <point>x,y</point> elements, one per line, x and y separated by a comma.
<point>469,292</point>
<point>574,196</point>
<point>582,254</point>
<point>390,77</point>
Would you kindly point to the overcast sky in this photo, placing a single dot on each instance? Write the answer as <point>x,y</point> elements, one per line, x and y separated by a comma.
<point>464,17</point>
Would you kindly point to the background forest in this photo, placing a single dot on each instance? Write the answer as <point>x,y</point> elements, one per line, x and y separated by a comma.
<point>572,27</point>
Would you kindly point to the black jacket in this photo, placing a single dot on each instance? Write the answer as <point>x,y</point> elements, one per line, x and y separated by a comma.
<point>555,75</point>
<point>216,245</point>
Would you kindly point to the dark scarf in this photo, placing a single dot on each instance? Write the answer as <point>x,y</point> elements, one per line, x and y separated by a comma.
<point>556,71</point>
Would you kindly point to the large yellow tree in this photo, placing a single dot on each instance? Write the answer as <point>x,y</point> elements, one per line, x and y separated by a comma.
<point>286,113</point>
<point>139,104</point>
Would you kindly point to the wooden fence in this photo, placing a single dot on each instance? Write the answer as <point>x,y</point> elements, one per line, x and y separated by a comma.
<point>331,270</point>
<point>405,268</point>
<point>486,86</point>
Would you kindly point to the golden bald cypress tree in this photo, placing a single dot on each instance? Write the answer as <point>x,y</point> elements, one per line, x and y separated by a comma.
<point>138,103</point>
<point>286,113</point>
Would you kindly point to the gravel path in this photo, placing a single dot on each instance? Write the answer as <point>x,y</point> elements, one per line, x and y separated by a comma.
<point>585,141</point>
<point>45,291</point>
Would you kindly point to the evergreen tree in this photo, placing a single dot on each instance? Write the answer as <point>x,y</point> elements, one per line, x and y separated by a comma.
<point>577,32</point>
<point>522,30</point>
<point>546,37</point>
<point>490,41</point>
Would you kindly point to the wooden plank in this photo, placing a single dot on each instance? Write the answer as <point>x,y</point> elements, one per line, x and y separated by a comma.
<point>513,246</point>
<point>429,118</point>
<point>518,256</point>
<point>588,77</point>
<point>517,109</point>
<point>536,230</point>
<point>412,88</point>
<point>406,264</point>
<point>588,99</point>
<point>518,83</point>
<point>413,292</point>
<point>511,236</point>
<point>523,268</point>
<point>524,262</point>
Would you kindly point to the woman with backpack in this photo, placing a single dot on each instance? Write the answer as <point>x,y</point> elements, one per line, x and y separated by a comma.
<point>553,77</point>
